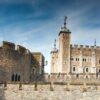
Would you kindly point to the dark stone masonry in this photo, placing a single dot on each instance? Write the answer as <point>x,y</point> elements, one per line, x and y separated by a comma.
<point>18,64</point>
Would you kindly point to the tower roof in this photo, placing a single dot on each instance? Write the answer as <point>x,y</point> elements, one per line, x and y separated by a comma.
<point>64,29</point>
<point>54,49</point>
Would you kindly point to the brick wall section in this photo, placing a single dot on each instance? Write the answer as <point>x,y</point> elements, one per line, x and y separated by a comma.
<point>27,93</point>
<point>16,60</point>
<point>13,62</point>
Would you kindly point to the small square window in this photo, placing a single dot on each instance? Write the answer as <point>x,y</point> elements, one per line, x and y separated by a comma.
<point>99,70</point>
<point>99,61</point>
<point>77,75</point>
<point>73,68</point>
<point>87,70</point>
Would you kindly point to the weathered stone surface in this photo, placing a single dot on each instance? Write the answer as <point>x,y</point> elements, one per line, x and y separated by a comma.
<point>80,61</point>
<point>19,64</point>
<point>28,93</point>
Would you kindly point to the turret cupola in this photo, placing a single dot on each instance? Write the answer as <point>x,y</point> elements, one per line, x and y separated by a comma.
<point>64,29</point>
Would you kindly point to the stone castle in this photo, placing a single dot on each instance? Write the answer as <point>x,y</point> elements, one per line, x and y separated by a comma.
<point>73,60</point>
<point>18,64</point>
<point>74,72</point>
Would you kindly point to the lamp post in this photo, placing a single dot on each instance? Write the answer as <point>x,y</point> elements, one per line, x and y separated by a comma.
<point>36,79</point>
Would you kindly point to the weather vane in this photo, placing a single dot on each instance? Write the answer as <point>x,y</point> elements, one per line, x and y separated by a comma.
<point>65,21</point>
<point>95,42</point>
<point>55,45</point>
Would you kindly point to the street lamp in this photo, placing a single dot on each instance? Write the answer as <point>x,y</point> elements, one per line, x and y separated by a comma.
<point>36,79</point>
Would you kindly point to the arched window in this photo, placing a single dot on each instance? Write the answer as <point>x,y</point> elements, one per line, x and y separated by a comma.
<point>12,78</point>
<point>33,71</point>
<point>87,77</point>
<point>18,77</point>
<point>99,61</point>
<point>78,59</point>
<point>74,69</point>
<point>71,58</point>
<point>15,77</point>
<point>99,70</point>
<point>96,75</point>
<point>77,75</point>
<point>58,75</point>
<point>87,70</point>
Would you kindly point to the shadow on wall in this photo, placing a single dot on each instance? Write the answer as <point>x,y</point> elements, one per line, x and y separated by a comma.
<point>2,95</point>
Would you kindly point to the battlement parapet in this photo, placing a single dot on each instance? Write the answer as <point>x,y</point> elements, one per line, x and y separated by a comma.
<point>27,51</point>
<point>84,47</point>
<point>21,49</point>
<point>8,45</point>
<point>97,47</point>
<point>11,46</point>
<point>76,46</point>
<point>81,46</point>
<point>87,46</point>
<point>63,77</point>
<point>55,51</point>
<point>92,47</point>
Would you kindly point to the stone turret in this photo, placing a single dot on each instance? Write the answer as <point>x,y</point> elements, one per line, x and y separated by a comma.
<point>64,49</point>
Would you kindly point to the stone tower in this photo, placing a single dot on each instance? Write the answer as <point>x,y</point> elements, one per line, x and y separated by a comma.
<point>64,49</point>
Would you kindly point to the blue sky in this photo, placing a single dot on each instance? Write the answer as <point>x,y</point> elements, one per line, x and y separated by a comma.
<point>36,23</point>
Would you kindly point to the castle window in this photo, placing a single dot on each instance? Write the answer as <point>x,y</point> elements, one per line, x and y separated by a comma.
<point>58,75</point>
<point>99,70</point>
<point>12,77</point>
<point>87,77</point>
<point>87,70</point>
<point>96,75</point>
<point>19,78</point>
<point>16,77</point>
<point>99,61</point>
<point>78,59</point>
<point>33,71</point>
<point>73,68</point>
<point>77,75</point>
<point>72,59</point>
<point>84,59</point>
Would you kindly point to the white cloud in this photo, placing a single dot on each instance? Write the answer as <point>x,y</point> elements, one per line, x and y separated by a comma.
<point>41,37</point>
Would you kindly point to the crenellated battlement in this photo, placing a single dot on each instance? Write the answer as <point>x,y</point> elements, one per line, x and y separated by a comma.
<point>50,91</point>
<point>8,45</point>
<point>21,49</point>
<point>84,46</point>
<point>11,46</point>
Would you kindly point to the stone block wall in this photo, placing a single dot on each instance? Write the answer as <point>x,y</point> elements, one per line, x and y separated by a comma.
<point>15,64</point>
<point>18,64</point>
<point>27,92</point>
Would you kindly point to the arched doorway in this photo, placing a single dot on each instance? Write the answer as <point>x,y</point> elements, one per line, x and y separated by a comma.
<point>13,78</point>
<point>18,77</point>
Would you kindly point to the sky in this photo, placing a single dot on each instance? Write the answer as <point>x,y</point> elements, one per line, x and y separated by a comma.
<point>36,23</point>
